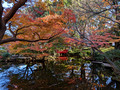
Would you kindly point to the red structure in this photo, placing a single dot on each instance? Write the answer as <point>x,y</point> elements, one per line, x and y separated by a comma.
<point>64,51</point>
<point>63,58</point>
<point>63,54</point>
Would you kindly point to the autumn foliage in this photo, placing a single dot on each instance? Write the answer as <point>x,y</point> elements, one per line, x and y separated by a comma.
<point>38,28</point>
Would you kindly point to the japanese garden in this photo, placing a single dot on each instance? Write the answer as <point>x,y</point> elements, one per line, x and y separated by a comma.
<point>60,44</point>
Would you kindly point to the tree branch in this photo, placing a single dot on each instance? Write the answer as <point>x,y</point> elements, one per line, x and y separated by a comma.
<point>14,9</point>
<point>22,28</point>
<point>16,39</point>
<point>25,27</point>
<point>97,13</point>
<point>110,19</point>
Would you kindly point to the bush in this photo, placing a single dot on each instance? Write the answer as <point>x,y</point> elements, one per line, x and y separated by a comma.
<point>5,55</point>
<point>114,55</point>
<point>98,56</point>
<point>117,63</point>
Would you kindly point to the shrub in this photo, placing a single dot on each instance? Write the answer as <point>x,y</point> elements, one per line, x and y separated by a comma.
<point>5,55</point>
<point>114,54</point>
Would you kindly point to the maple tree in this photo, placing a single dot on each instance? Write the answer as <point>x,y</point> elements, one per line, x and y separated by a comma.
<point>49,29</point>
<point>17,19</point>
<point>40,27</point>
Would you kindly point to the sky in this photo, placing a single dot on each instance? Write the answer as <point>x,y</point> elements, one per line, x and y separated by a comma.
<point>5,4</point>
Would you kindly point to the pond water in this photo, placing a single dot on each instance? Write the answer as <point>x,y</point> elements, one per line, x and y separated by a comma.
<point>55,76</point>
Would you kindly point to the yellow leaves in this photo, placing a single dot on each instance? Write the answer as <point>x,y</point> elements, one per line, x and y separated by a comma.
<point>83,18</point>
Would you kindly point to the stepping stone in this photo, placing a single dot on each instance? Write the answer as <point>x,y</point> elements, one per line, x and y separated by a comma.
<point>106,65</point>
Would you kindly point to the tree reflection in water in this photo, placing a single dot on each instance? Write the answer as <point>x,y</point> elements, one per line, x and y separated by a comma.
<point>37,76</point>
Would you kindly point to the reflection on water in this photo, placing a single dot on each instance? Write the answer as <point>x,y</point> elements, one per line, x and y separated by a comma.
<point>37,76</point>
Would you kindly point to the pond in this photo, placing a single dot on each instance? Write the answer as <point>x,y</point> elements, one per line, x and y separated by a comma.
<point>55,76</point>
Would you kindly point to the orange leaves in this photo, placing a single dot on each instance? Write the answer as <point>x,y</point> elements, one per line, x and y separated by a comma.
<point>6,36</point>
<point>114,40</point>
<point>49,17</point>
<point>29,27</point>
<point>40,27</point>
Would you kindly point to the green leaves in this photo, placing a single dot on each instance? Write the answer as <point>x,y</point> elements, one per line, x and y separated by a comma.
<point>67,2</point>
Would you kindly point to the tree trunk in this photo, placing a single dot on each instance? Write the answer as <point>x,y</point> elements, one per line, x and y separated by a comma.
<point>2,30</point>
<point>117,45</point>
<point>2,23</point>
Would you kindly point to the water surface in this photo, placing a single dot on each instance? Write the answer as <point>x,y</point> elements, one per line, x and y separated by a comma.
<point>55,76</point>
